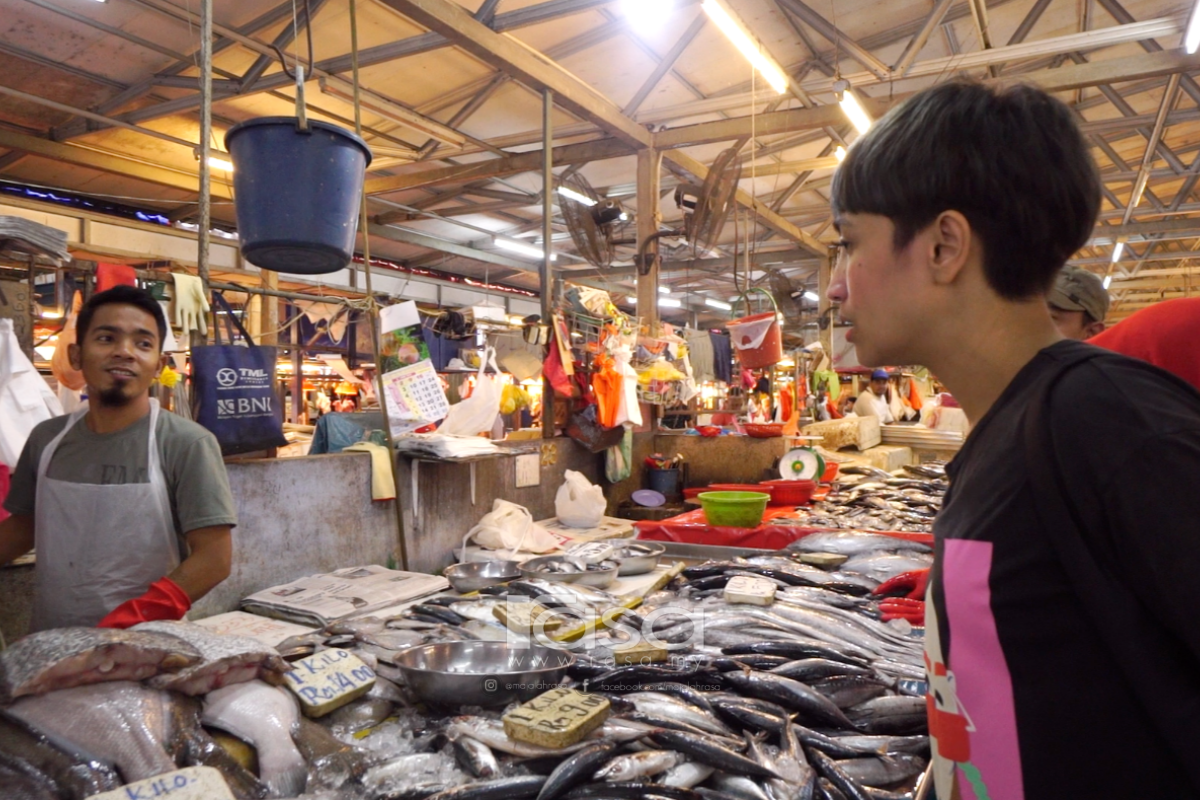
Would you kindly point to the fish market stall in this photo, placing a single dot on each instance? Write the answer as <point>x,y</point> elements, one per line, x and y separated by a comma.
<point>721,673</point>
<point>861,498</point>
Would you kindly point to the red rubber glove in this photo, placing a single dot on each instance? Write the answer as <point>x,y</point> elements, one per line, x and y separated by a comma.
<point>163,600</point>
<point>903,608</point>
<point>909,584</point>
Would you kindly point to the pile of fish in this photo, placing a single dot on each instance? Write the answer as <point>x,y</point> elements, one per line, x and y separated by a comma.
<point>810,697</point>
<point>866,498</point>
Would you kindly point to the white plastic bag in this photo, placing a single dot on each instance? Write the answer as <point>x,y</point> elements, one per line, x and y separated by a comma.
<point>579,503</point>
<point>509,529</point>
<point>478,412</point>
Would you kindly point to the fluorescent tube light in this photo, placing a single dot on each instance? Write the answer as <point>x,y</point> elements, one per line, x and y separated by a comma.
<point>1191,39</point>
<point>816,298</point>
<point>1107,281</point>
<point>839,153</point>
<point>854,111</point>
<point>647,16</point>
<point>219,163</point>
<point>664,290</point>
<point>522,249</point>
<point>721,304</point>
<point>571,194</point>
<point>753,52</point>
<point>1118,249</point>
<point>670,302</point>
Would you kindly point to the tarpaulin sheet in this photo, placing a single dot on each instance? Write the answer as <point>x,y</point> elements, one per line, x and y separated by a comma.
<point>692,528</point>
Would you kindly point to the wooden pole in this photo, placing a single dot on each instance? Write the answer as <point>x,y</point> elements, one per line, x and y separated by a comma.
<point>649,217</point>
<point>547,274</point>
<point>206,69</point>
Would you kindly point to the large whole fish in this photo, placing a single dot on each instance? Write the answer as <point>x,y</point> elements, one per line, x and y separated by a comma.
<point>61,658</point>
<point>225,659</point>
<point>48,761</point>
<point>264,716</point>
<point>853,543</point>
<point>125,723</point>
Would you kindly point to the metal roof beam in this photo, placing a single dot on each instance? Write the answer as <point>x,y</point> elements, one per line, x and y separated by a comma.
<point>525,64</point>
<point>822,26</point>
<point>109,162</point>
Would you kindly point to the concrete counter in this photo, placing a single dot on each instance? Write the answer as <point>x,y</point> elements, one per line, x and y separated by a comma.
<point>724,459</point>
<point>296,517</point>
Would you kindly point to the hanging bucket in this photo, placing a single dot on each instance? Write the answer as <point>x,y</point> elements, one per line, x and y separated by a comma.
<point>757,338</point>
<point>298,193</point>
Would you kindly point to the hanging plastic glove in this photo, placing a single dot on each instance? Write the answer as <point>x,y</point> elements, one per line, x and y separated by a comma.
<point>163,600</point>
<point>191,306</point>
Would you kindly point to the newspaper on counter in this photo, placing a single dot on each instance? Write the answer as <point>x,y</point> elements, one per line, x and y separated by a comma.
<point>320,599</point>
<point>266,630</point>
<point>443,445</point>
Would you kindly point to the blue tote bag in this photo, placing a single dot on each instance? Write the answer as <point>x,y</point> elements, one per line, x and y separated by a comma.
<point>233,390</point>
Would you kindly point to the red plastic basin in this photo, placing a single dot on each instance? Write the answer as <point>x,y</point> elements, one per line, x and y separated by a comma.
<point>789,493</point>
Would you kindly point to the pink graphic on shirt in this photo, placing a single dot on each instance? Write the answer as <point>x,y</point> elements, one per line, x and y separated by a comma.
<point>982,680</point>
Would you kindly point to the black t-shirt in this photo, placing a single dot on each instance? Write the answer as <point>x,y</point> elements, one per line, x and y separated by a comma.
<point>1028,701</point>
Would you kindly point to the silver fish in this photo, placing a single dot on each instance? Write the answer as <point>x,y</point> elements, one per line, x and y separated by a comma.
<point>69,770</point>
<point>638,765</point>
<point>881,771</point>
<point>225,659</point>
<point>61,658</point>
<point>847,543</point>
<point>664,705</point>
<point>264,716</point>
<point>122,722</point>
<point>687,775</point>
<point>882,566</point>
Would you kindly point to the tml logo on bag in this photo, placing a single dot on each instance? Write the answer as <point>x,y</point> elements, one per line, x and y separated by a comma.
<point>234,390</point>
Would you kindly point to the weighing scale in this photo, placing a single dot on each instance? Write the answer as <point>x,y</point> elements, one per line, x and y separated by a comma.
<point>802,462</point>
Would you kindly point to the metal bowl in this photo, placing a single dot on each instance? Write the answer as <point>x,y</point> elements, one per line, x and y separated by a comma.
<point>475,575</point>
<point>599,578</point>
<point>634,557</point>
<point>481,673</point>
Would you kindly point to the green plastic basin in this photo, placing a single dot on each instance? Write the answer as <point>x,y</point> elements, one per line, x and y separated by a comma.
<point>734,509</point>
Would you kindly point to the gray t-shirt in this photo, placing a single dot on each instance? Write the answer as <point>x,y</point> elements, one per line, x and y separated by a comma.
<point>189,454</point>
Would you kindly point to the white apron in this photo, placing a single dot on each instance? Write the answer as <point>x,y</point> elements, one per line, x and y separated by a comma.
<point>98,546</point>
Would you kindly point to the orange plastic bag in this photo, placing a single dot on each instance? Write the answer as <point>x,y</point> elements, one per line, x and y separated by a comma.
<point>607,386</point>
<point>60,362</point>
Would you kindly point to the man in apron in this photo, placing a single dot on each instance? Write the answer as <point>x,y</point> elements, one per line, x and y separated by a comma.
<point>128,505</point>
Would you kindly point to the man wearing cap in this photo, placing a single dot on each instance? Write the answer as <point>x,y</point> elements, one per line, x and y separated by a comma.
<point>1078,303</point>
<point>875,402</point>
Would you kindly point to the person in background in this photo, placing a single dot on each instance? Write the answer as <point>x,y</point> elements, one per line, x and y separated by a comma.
<point>876,401</point>
<point>1078,303</point>
<point>846,404</point>
<point>129,506</point>
<point>1166,334</point>
<point>1061,631</point>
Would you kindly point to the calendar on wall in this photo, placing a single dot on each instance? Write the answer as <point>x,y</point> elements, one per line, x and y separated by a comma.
<point>414,396</point>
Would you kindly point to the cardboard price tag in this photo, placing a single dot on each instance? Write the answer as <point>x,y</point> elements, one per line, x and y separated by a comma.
<point>559,718</point>
<point>526,618</point>
<point>190,783</point>
<point>328,680</point>
<point>641,652</point>
<point>754,591</point>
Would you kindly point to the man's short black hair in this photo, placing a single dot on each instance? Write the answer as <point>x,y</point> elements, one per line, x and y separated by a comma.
<point>123,295</point>
<point>1011,160</point>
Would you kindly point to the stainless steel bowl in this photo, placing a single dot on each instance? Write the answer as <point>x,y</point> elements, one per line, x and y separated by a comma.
<point>635,557</point>
<point>475,575</point>
<point>481,673</point>
<point>599,578</point>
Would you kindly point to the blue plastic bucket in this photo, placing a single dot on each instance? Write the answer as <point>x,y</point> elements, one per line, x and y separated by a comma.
<point>664,481</point>
<point>297,194</point>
